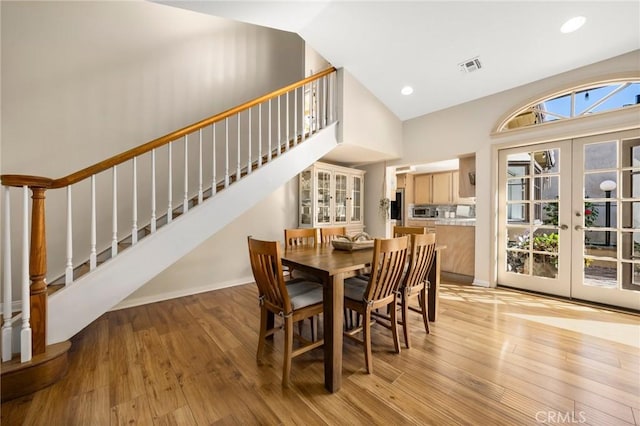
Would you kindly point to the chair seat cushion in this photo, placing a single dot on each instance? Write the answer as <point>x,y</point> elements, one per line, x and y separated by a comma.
<point>298,286</point>
<point>307,298</point>
<point>354,288</point>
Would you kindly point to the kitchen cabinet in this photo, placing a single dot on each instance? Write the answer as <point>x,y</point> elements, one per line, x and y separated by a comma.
<point>456,193</point>
<point>430,224</point>
<point>441,191</point>
<point>331,195</point>
<point>422,188</point>
<point>433,188</point>
<point>459,256</point>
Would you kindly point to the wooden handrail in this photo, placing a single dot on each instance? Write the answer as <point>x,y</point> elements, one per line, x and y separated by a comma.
<point>42,182</point>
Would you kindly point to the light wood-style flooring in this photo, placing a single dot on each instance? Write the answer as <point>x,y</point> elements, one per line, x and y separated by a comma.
<point>494,357</point>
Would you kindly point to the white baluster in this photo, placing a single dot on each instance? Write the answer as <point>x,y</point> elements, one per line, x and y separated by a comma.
<point>185,200</point>
<point>260,135</point>
<point>153,191</point>
<point>226,152</point>
<point>214,183</point>
<point>304,117</point>
<point>7,324</point>
<point>170,185</point>
<point>269,136</point>
<point>324,101</point>
<point>279,131</point>
<point>295,116</point>
<point>93,255</point>
<point>238,171</point>
<point>134,221</point>
<point>25,332</point>
<point>200,194</point>
<point>114,223</point>
<point>331,97</point>
<point>249,162</point>
<point>287,122</point>
<point>68,272</point>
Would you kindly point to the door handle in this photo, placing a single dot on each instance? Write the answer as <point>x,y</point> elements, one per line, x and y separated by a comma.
<point>564,227</point>
<point>578,227</point>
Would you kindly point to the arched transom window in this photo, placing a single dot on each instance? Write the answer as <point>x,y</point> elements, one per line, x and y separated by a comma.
<point>576,102</point>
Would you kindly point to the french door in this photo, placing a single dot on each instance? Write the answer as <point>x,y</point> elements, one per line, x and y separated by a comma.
<point>569,215</point>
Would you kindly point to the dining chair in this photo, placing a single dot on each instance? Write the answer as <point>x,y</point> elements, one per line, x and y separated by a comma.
<point>307,237</point>
<point>399,231</point>
<point>380,291</point>
<point>292,301</point>
<point>301,237</point>
<point>329,234</point>
<point>415,282</point>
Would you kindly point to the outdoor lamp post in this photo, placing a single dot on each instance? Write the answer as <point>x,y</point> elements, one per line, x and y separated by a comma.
<point>607,186</point>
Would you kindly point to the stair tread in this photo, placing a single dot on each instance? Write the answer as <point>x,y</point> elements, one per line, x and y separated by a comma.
<point>51,351</point>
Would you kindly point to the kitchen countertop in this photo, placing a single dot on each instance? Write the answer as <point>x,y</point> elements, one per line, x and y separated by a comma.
<point>469,221</point>
<point>459,221</point>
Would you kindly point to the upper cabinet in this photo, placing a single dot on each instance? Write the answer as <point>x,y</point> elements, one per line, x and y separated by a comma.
<point>331,196</point>
<point>467,176</point>
<point>433,188</point>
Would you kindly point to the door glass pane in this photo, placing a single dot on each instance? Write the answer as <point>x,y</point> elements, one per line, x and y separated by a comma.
<point>546,240</point>
<point>594,214</point>
<point>631,214</point>
<point>518,189</point>
<point>518,238</point>
<point>601,243</point>
<point>324,197</point>
<point>305,197</point>
<point>545,265</point>
<point>546,213</point>
<point>631,245</point>
<point>602,155</point>
<point>546,161</point>
<point>631,276</point>
<point>340,199</point>
<point>631,153</point>
<point>546,188</point>
<point>356,197</point>
<point>601,185</point>
<point>631,184</point>
<point>518,262</point>
<point>600,273</point>
<point>518,164</point>
<point>518,213</point>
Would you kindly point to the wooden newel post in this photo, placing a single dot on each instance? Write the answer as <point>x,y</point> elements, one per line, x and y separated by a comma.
<point>38,271</point>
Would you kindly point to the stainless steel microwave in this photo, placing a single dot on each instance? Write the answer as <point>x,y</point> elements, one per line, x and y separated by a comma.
<point>423,211</point>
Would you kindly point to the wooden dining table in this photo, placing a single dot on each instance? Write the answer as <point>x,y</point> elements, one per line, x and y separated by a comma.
<point>332,266</point>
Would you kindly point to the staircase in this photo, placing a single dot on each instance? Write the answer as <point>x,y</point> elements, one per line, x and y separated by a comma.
<point>255,148</point>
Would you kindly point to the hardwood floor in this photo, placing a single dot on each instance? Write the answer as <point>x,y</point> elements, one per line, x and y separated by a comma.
<point>491,359</point>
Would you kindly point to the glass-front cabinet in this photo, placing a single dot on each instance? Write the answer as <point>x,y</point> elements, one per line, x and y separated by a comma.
<point>331,196</point>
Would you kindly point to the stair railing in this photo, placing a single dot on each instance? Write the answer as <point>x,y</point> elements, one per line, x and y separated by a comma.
<point>240,139</point>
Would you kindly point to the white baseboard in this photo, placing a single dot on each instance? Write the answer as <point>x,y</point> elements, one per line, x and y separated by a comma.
<point>130,303</point>
<point>481,283</point>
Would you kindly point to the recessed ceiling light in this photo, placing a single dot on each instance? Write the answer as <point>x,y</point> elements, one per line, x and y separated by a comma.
<point>572,24</point>
<point>407,90</point>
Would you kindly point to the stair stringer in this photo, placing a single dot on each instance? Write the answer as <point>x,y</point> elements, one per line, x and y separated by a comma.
<point>77,305</point>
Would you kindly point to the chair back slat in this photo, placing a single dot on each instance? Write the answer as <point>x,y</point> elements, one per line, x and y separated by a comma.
<point>329,234</point>
<point>266,265</point>
<point>301,237</point>
<point>399,231</point>
<point>389,257</point>
<point>423,248</point>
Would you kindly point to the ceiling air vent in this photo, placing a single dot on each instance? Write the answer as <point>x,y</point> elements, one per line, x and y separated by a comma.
<point>470,65</point>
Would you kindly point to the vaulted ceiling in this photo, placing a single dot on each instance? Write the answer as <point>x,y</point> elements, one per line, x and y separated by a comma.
<point>387,45</point>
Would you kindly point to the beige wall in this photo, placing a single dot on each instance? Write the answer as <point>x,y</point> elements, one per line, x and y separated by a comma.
<point>367,123</point>
<point>82,81</point>
<point>223,260</point>
<point>467,128</point>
